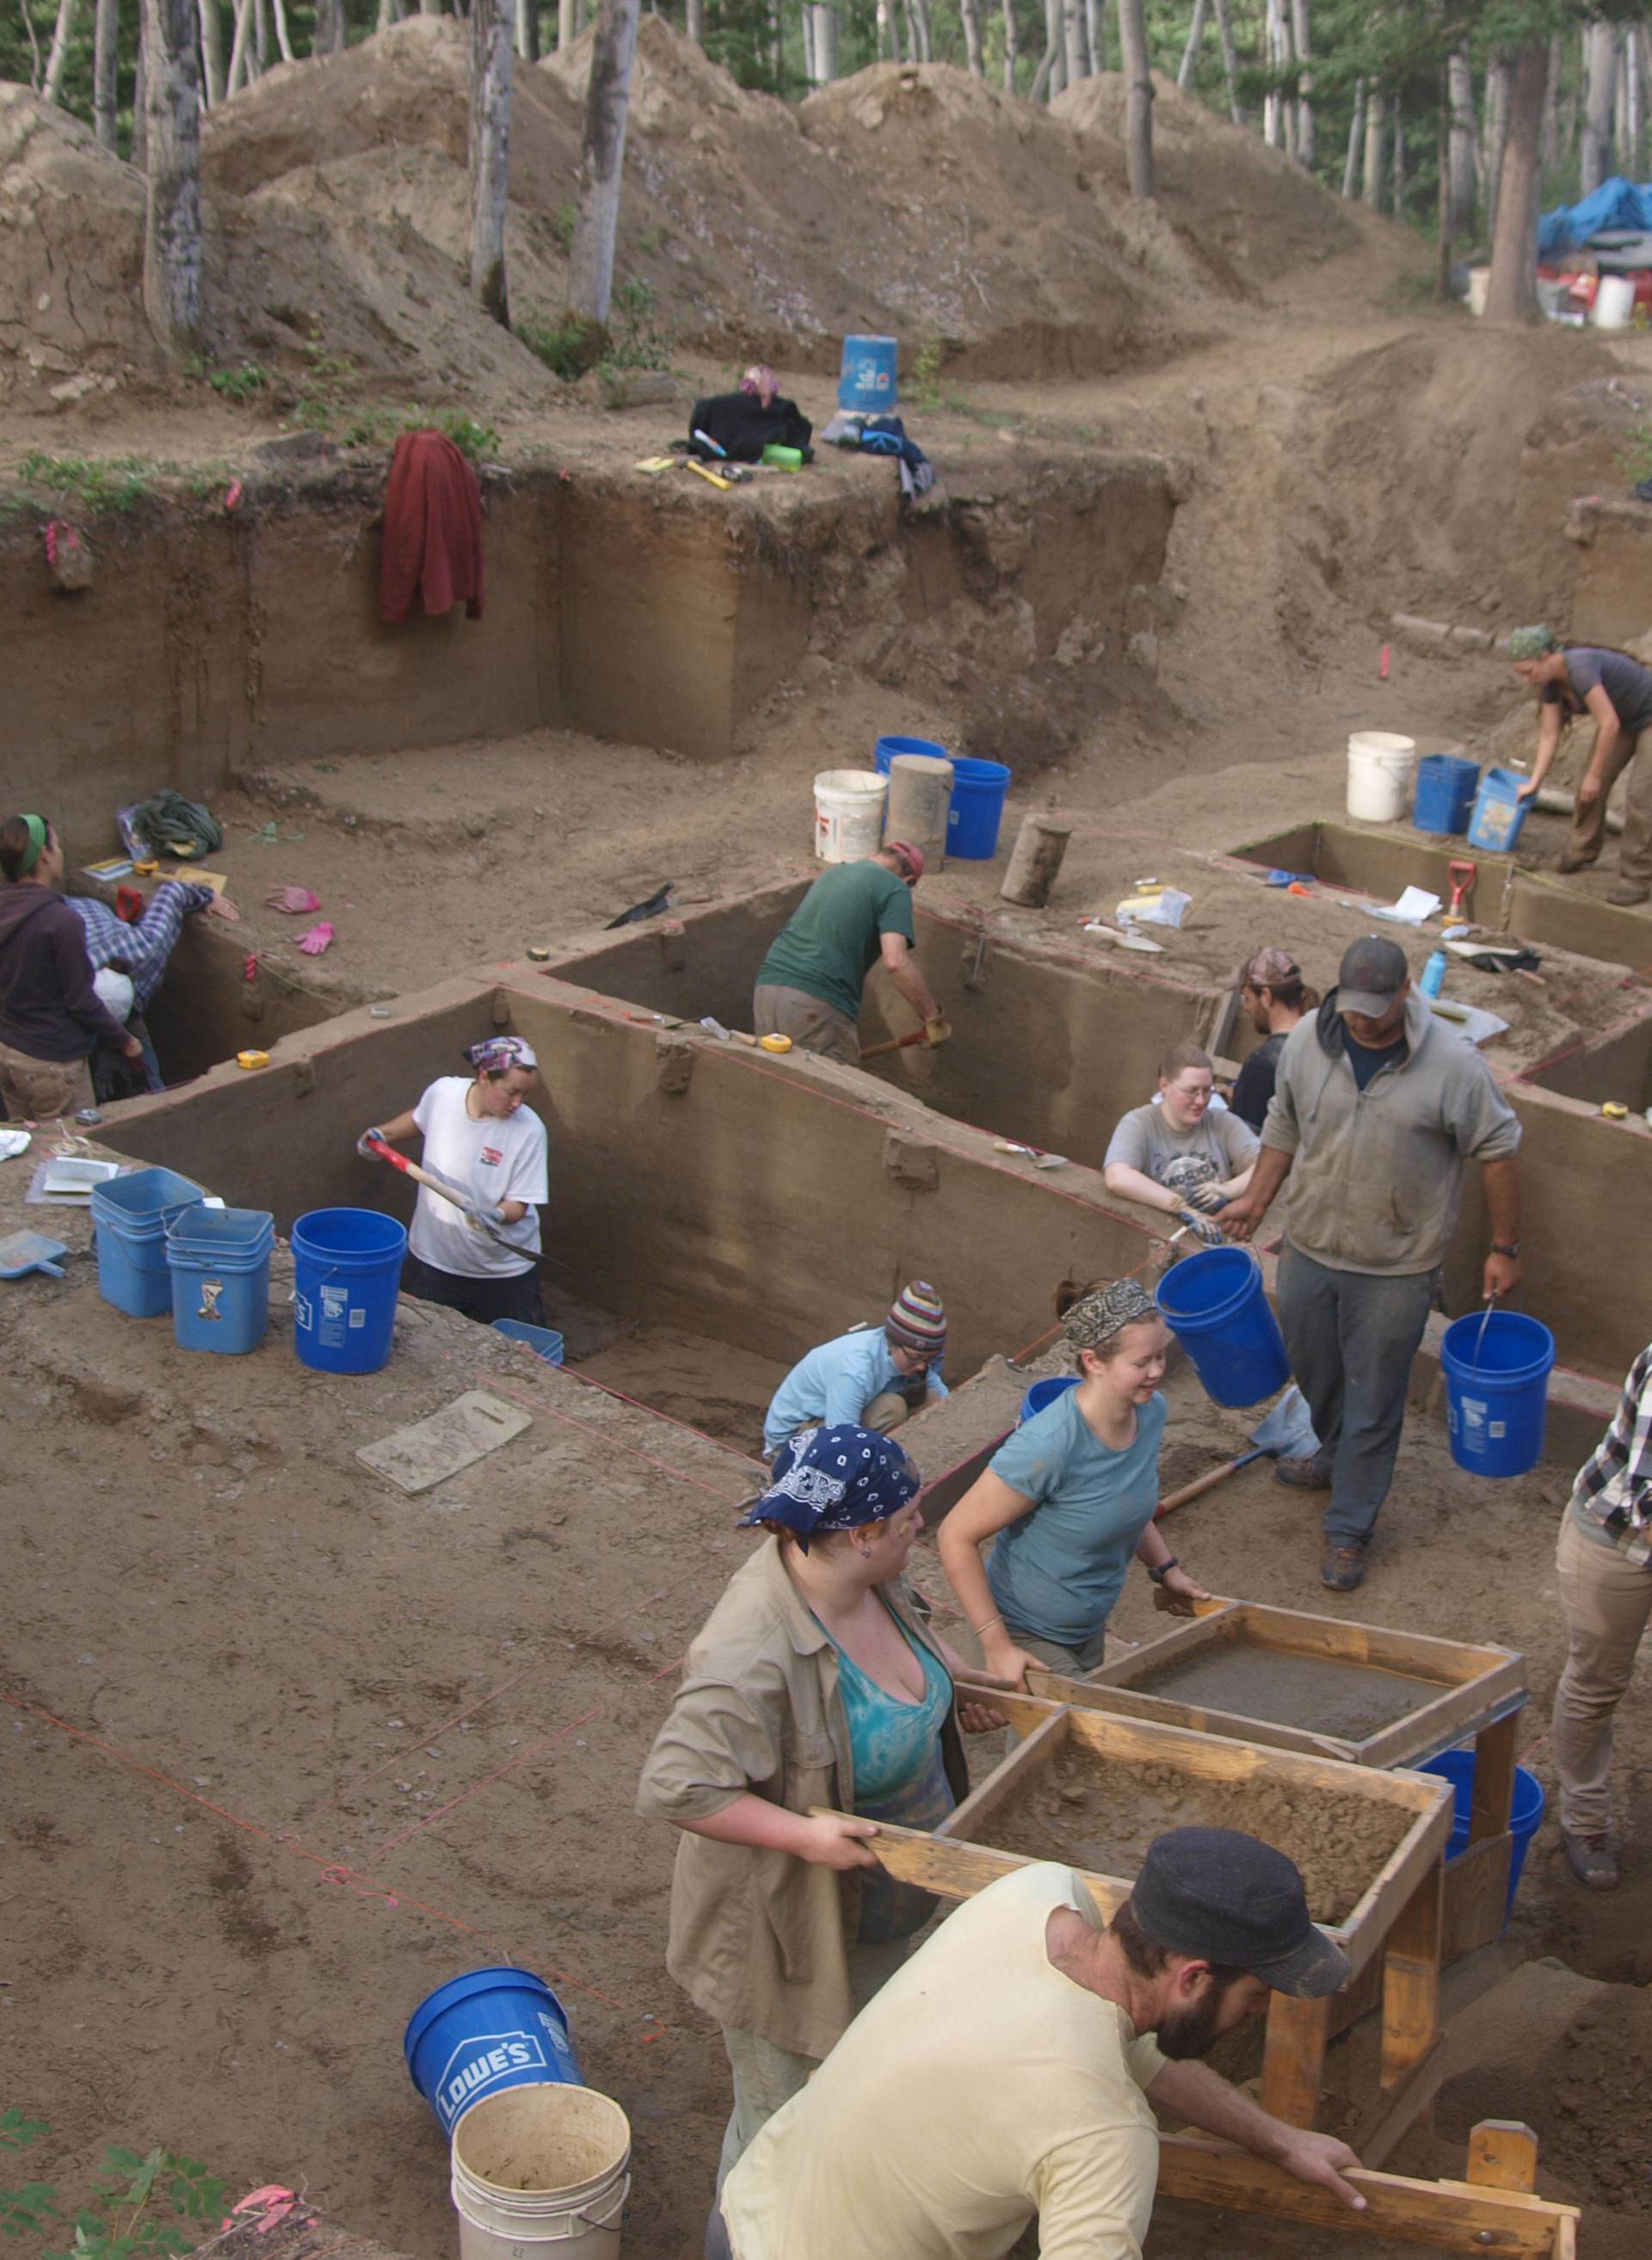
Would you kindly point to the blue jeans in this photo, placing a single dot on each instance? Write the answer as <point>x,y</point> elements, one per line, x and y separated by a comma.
<point>1351,1337</point>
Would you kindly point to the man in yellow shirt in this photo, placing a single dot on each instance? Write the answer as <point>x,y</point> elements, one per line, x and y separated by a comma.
<point>1009,2071</point>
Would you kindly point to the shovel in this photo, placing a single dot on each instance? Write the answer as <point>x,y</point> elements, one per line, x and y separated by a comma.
<point>895,1044</point>
<point>22,1252</point>
<point>1287,1431</point>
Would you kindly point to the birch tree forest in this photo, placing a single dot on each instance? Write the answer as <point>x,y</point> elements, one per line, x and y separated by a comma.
<point>1405,105</point>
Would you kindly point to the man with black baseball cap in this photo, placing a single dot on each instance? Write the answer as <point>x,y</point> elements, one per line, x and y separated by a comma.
<point>1376,1105</point>
<point>1011,2070</point>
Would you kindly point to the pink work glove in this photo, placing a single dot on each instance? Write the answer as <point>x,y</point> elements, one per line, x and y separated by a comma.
<point>318,938</point>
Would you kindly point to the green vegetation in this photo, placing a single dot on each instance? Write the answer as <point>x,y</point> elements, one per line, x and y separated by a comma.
<point>238,384</point>
<point>925,373</point>
<point>89,483</point>
<point>566,347</point>
<point>564,220</point>
<point>324,403</point>
<point>571,346</point>
<point>137,2205</point>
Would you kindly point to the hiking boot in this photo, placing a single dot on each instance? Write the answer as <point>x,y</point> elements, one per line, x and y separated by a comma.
<point>1569,860</point>
<point>1591,1860</point>
<point>1313,1474</point>
<point>1626,893</point>
<point>1343,1567</point>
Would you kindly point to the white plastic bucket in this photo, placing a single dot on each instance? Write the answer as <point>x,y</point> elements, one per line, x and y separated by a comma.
<point>1614,302</point>
<point>1479,284</point>
<point>542,2173</point>
<point>848,814</point>
<point>1380,770</point>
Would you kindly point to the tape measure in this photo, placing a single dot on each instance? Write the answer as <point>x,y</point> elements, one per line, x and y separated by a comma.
<point>774,1043</point>
<point>251,1059</point>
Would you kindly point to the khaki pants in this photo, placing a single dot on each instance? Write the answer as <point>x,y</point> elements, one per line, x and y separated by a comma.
<point>813,1025</point>
<point>1588,826</point>
<point>42,1090</point>
<point>1607,1601</point>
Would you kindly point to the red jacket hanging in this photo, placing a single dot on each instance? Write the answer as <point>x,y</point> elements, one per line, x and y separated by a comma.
<point>433,530</point>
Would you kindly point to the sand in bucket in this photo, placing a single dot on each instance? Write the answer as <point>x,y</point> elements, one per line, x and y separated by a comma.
<point>542,2164</point>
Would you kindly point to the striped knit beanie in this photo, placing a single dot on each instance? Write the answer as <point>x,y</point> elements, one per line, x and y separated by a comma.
<point>917,1319</point>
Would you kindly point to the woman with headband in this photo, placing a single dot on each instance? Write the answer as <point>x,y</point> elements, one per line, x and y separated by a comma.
<point>1069,1499</point>
<point>51,1016</point>
<point>813,1682</point>
<point>478,1253</point>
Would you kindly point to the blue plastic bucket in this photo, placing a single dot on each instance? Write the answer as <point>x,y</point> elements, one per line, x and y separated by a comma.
<point>131,1215</point>
<point>1446,787</point>
<point>545,1339</point>
<point>978,789</point>
<point>348,1264</point>
<point>1497,1391</point>
<point>887,749</point>
<point>1043,1394</point>
<point>488,2030</point>
<point>220,1262</point>
<point>1213,1303</point>
<point>1498,812</point>
<point>1526,1811</point>
<point>866,382</point>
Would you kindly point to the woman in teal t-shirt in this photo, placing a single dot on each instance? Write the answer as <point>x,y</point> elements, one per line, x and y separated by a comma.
<point>1069,1499</point>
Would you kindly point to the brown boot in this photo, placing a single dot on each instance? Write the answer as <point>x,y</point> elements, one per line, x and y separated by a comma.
<point>1591,1860</point>
<point>1569,859</point>
<point>1628,891</point>
<point>1313,1474</point>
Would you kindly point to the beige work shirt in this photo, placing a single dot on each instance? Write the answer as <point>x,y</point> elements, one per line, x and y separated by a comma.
<point>758,1940</point>
<point>979,2089</point>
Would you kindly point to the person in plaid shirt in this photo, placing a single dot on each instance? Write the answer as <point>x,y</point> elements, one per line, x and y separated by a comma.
<point>1605,1564</point>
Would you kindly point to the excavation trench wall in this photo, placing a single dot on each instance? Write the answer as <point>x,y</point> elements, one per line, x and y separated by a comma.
<point>656,611</point>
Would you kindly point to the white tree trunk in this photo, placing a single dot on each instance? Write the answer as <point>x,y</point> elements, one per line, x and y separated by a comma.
<point>214,83</point>
<point>920,11</point>
<point>1500,81</point>
<point>282,38</point>
<point>1376,147</point>
<point>590,264</point>
<point>527,29</point>
<point>805,25</point>
<point>139,155</point>
<point>260,37</point>
<point>973,51</point>
<point>1011,51</point>
<point>1053,69</point>
<point>240,48</point>
<point>1600,61</point>
<point>52,87</point>
<point>1355,141</point>
<point>1194,41</point>
<point>1272,105</point>
<point>567,29</point>
<point>1072,39</point>
<point>328,35</point>
<point>492,22</point>
<point>106,73</point>
<point>1634,102</point>
<point>429,7</point>
<point>887,35</point>
<point>1511,295</point>
<point>172,217</point>
<point>1549,133</point>
<point>1133,42</point>
<point>1399,168</point>
<point>1230,59</point>
<point>1301,32</point>
<point>694,22</point>
<point>1460,161</point>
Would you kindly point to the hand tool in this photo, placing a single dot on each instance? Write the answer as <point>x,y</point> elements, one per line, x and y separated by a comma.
<point>1462,874</point>
<point>1284,1432</point>
<point>30,1251</point>
<point>898,1044</point>
<point>443,1188</point>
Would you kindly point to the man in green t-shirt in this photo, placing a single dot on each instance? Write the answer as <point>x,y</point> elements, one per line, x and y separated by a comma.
<point>856,916</point>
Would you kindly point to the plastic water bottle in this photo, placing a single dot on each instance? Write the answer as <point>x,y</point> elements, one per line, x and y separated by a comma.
<point>1433,974</point>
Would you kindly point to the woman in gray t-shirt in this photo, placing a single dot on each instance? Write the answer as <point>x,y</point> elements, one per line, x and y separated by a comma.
<point>1181,1155</point>
<point>1571,680</point>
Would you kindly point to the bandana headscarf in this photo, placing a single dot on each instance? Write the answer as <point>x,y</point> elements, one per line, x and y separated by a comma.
<point>1532,643</point>
<point>36,829</point>
<point>761,382</point>
<point>499,1053</point>
<point>1096,1317</point>
<point>834,1479</point>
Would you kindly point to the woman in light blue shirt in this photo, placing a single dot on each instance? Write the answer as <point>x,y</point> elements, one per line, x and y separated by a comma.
<point>870,1377</point>
<point>1069,1499</point>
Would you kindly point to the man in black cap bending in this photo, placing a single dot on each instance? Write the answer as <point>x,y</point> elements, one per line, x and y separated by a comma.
<point>1011,2071</point>
<point>1376,1105</point>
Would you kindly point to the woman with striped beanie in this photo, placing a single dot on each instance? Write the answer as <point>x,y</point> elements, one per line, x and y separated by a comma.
<point>872,1377</point>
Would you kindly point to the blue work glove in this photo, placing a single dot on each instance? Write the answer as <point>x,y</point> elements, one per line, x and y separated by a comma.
<point>364,1150</point>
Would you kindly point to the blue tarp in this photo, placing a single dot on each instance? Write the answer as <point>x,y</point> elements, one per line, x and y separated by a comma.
<point>1616,202</point>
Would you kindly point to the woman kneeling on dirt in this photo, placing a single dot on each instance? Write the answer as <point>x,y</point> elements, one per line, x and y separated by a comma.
<point>1069,1497</point>
<point>477,1253</point>
<point>813,1682</point>
<point>51,1016</point>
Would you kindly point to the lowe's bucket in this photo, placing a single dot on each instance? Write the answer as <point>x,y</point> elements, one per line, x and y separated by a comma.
<point>542,2166</point>
<point>1499,813</point>
<point>978,791</point>
<point>1525,1812</point>
<point>491,2029</point>
<point>132,1215</point>
<point>1497,1391</point>
<point>866,382</point>
<point>1042,1395</point>
<point>220,1262</point>
<point>848,814</point>
<point>347,1265</point>
<point>1446,787</point>
<point>1213,1303</point>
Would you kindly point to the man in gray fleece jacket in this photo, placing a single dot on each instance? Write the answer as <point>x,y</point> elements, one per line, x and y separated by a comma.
<point>1375,1108</point>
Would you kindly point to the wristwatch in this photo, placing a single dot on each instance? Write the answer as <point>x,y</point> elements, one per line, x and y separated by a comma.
<point>1505,1248</point>
<point>1161,1571</point>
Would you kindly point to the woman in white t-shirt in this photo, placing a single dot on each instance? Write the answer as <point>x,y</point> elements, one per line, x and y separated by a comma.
<point>480,1137</point>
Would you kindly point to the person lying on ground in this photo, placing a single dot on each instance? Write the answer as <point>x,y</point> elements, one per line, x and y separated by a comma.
<point>1571,680</point>
<point>855,916</point>
<point>872,1376</point>
<point>1011,2072</point>
<point>1183,1155</point>
<point>141,950</point>
<point>51,1017</point>
<point>813,1682</point>
<point>1070,1499</point>
<point>1274,996</point>
<point>477,1253</point>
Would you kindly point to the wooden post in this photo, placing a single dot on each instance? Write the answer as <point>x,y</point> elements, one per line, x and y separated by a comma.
<point>1293,2058</point>
<point>1035,860</point>
<point>1503,2154</point>
<point>1493,1779</point>
<point>1410,1981</point>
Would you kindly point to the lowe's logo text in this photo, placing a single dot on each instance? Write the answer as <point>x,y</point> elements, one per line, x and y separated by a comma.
<point>510,2052</point>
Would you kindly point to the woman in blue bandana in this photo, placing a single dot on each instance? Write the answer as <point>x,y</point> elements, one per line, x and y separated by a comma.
<point>814,1682</point>
<point>51,1017</point>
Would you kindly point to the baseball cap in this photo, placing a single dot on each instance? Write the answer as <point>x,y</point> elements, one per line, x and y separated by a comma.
<point>1371,975</point>
<point>910,858</point>
<point>1220,1896</point>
